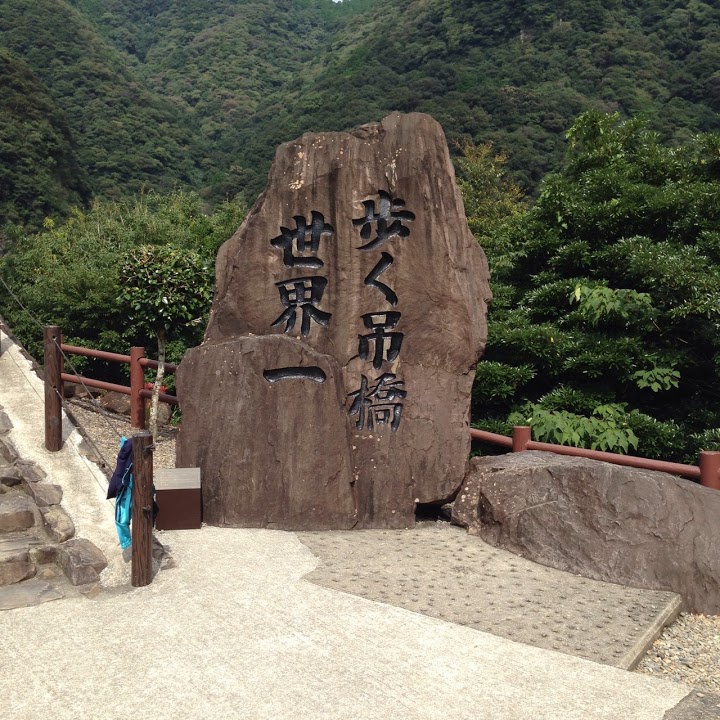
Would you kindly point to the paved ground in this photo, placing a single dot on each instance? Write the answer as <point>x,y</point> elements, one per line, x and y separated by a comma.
<point>237,631</point>
<point>255,640</point>
<point>439,570</point>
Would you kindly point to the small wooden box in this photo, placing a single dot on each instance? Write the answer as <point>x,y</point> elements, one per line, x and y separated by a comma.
<point>178,495</point>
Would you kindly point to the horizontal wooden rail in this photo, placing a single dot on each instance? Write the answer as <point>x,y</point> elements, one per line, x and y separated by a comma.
<point>137,361</point>
<point>164,397</point>
<point>490,437</point>
<point>692,471</point>
<point>90,352</point>
<point>100,384</point>
<point>708,471</point>
<point>154,364</point>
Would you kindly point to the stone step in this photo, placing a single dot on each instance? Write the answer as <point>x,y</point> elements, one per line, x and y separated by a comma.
<point>41,550</point>
<point>16,564</point>
<point>28,593</point>
<point>17,512</point>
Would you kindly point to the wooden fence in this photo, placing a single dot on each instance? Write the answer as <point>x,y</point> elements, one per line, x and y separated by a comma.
<point>707,471</point>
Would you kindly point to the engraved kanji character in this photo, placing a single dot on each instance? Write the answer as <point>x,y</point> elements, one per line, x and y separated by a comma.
<point>304,239</point>
<point>379,404</point>
<point>387,344</point>
<point>388,219</point>
<point>385,261</point>
<point>304,293</point>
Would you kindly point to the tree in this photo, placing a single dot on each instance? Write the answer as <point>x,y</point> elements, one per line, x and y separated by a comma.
<point>70,274</point>
<point>164,287</point>
<point>606,303</point>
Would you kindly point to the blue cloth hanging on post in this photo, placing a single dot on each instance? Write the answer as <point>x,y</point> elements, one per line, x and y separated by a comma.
<point>120,488</point>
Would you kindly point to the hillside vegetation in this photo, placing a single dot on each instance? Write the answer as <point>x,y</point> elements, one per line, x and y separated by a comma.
<point>197,93</point>
<point>586,133</point>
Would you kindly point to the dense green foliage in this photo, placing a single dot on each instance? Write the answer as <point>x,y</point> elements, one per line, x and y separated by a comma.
<point>605,324</point>
<point>163,93</point>
<point>71,275</point>
<point>39,169</point>
<point>145,114</point>
<point>125,137</point>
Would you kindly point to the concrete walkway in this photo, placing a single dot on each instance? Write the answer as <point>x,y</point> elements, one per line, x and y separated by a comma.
<point>235,631</point>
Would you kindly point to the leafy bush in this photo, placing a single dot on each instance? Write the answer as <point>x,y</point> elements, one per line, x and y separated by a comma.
<point>609,301</point>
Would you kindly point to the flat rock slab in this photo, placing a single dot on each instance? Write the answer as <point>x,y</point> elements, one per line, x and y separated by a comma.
<point>5,423</point>
<point>16,512</point>
<point>15,565</point>
<point>44,494</point>
<point>696,706</point>
<point>636,527</point>
<point>438,570</point>
<point>81,561</point>
<point>58,524</point>
<point>30,471</point>
<point>10,476</point>
<point>28,594</point>
<point>8,454</point>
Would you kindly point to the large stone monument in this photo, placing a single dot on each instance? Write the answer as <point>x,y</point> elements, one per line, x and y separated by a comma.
<point>332,389</point>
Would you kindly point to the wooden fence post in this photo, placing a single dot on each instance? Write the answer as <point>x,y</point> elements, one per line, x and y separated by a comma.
<point>142,509</point>
<point>53,388</point>
<point>521,436</point>
<point>710,469</point>
<point>137,383</point>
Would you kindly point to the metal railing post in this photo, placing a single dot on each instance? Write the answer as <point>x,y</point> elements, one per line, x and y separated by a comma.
<point>142,509</point>
<point>53,388</point>
<point>710,469</point>
<point>137,383</point>
<point>521,436</point>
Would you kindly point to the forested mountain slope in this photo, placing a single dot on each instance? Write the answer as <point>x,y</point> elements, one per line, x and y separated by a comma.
<point>39,169</point>
<point>125,136</point>
<point>199,92</point>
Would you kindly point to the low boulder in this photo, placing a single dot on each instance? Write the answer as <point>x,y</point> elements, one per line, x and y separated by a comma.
<point>5,423</point>
<point>81,561</point>
<point>8,453</point>
<point>116,402</point>
<point>622,525</point>
<point>10,476</point>
<point>58,524</point>
<point>15,565</point>
<point>16,513</point>
<point>44,494</point>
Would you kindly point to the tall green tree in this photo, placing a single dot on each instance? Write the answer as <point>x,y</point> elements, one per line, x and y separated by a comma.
<point>606,316</point>
<point>164,289</point>
<point>70,273</point>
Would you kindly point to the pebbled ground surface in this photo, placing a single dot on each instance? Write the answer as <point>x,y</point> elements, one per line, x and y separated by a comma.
<point>437,569</point>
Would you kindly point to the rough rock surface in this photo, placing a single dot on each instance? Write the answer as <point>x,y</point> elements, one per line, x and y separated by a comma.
<point>81,561</point>
<point>8,454</point>
<point>44,494</point>
<point>16,513</point>
<point>58,524</point>
<point>284,477</point>
<point>634,527</point>
<point>116,402</point>
<point>358,255</point>
<point>9,476</point>
<point>27,594</point>
<point>15,565</point>
<point>29,471</point>
<point>5,423</point>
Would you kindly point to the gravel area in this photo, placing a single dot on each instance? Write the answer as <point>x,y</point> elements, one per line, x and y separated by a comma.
<point>105,428</point>
<point>688,651</point>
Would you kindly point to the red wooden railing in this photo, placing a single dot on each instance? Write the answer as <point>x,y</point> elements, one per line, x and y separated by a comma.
<point>55,377</point>
<point>707,470</point>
